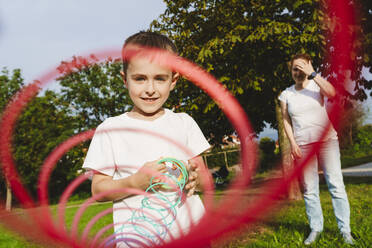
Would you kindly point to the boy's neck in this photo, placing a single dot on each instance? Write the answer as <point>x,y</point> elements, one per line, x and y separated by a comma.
<point>137,114</point>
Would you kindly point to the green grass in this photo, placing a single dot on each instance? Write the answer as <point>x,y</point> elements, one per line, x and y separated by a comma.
<point>287,228</point>
<point>348,161</point>
<point>10,239</point>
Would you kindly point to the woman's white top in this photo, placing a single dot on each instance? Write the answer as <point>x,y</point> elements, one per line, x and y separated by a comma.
<point>307,110</point>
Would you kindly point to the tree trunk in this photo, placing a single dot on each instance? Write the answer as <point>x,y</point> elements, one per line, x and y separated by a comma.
<point>294,192</point>
<point>8,204</point>
<point>351,135</point>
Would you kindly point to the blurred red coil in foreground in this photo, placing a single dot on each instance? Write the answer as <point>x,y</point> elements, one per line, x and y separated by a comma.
<point>231,212</point>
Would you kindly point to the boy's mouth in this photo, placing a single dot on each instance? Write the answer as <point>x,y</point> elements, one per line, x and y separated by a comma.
<point>149,99</point>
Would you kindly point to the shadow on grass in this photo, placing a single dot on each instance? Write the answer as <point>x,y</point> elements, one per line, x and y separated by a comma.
<point>358,180</point>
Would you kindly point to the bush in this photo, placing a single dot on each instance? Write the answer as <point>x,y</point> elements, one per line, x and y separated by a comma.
<point>267,145</point>
<point>362,144</point>
<point>364,138</point>
<point>360,151</point>
<point>268,158</point>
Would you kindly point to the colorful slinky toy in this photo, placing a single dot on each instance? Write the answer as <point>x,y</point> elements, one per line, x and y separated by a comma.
<point>157,214</point>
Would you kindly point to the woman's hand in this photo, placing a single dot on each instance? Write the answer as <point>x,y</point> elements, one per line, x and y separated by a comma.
<point>305,67</point>
<point>295,151</point>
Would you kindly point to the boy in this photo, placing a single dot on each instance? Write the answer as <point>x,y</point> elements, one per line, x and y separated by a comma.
<point>149,86</point>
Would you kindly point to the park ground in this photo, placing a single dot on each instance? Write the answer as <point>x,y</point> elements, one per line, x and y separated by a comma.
<point>285,226</point>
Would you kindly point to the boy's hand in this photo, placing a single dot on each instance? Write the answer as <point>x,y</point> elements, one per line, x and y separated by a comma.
<point>193,181</point>
<point>141,179</point>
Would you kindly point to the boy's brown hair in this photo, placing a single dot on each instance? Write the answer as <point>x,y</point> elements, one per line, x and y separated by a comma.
<point>303,56</point>
<point>149,39</point>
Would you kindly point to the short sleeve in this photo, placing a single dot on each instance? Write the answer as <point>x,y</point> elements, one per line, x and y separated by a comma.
<point>196,141</point>
<point>283,96</point>
<point>314,85</point>
<point>100,156</point>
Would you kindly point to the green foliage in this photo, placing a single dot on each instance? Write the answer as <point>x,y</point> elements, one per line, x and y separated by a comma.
<point>93,93</point>
<point>364,138</point>
<point>350,160</point>
<point>361,150</point>
<point>267,145</point>
<point>268,158</point>
<point>41,127</point>
<point>351,121</point>
<point>362,143</point>
<point>9,85</point>
<point>246,45</point>
<point>365,18</point>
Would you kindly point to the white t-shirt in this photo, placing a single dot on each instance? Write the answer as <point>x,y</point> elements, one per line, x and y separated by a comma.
<point>308,113</point>
<point>118,148</point>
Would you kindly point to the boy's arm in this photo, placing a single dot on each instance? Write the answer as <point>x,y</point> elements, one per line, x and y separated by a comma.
<point>102,183</point>
<point>140,180</point>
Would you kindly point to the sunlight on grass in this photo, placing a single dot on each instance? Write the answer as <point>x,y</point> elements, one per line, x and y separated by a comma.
<point>286,228</point>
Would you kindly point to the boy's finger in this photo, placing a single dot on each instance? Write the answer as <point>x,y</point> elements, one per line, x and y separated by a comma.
<point>191,185</point>
<point>161,166</point>
<point>191,192</point>
<point>193,177</point>
<point>157,180</point>
<point>194,164</point>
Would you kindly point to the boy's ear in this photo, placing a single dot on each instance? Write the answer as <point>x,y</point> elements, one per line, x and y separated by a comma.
<point>175,77</point>
<point>123,77</point>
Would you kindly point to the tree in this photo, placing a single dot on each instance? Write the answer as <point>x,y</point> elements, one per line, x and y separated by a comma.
<point>365,14</point>
<point>93,92</point>
<point>268,158</point>
<point>41,127</point>
<point>9,85</point>
<point>350,123</point>
<point>246,45</point>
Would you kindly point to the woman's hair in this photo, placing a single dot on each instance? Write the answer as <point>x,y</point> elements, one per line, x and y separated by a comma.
<point>149,39</point>
<point>303,56</point>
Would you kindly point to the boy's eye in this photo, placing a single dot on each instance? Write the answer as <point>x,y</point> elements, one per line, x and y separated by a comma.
<point>160,78</point>
<point>140,78</point>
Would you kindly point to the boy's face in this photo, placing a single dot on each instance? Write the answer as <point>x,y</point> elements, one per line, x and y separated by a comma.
<point>149,85</point>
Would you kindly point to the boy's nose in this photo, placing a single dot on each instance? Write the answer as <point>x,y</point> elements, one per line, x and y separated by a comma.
<point>150,89</point>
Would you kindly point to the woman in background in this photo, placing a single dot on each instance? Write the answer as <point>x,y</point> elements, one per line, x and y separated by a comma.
<point>305,120</point>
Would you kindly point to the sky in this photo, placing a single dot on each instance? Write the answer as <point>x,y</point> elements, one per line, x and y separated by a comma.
<point>36,35</point>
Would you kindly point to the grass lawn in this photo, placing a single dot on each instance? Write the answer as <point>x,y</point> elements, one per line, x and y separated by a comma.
<point>9,239</point>
<point>287,228</point>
